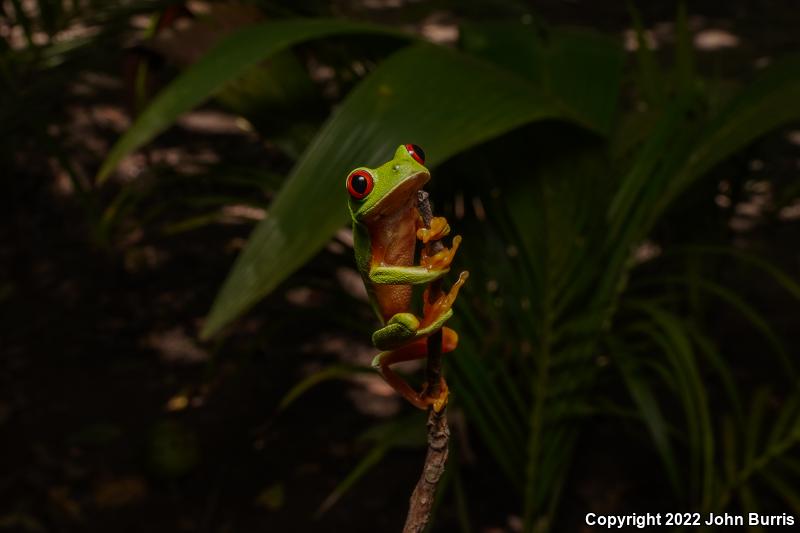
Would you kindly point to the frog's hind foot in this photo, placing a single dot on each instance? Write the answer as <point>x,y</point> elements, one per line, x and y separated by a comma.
<point>441,307</point>
<point>439,401</point>
<point>441,260</point>
<point>415,350</point>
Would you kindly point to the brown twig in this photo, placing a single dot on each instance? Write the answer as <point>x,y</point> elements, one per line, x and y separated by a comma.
<point>422,498</point>
<point>419,512</point>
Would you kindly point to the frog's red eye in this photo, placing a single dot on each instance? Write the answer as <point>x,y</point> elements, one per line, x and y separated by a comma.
<point>416,152</point>
<point>359,184</point>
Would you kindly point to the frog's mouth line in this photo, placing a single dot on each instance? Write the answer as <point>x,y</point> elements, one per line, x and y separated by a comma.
<point>402,194</point>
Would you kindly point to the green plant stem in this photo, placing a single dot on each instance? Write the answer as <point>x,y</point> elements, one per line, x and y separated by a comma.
<point>758,465</point>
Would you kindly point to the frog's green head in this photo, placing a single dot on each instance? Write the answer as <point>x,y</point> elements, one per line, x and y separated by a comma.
<point>386,189</point>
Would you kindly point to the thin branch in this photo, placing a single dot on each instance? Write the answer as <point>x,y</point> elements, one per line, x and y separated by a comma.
<point>424,494</point>
<point>419,512</point>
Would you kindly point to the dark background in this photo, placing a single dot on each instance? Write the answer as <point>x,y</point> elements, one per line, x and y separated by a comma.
<point>115,416</point>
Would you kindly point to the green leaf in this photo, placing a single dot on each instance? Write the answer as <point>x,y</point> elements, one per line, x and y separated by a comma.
<point>784,280</point>
<point>751,503</point>
<point>771,100</point>
<point>722,368</point>
<point>787,421</point>
<point>514,46</point>
<point>648,407</point>
<point>580,68</point>
<point>640,178</point>
<point>440,99</point>
<point>585,71</point>
<point>403,432</point>
<point>360,470</point>
<point>225,62</point>
<point>751,315</point>
<point>311,381</point>
<point>729,449</point>
<point>758,409</point>
<point>670,333</point>
<point>785,489</point>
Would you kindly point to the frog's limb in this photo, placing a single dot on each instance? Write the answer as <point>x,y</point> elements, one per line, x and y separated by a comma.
<point>433,312</point>
<point>415,350</point>
<point>405,275</point>
<point>403,328</point>
<point>438,229</point>
<point>441,260</point>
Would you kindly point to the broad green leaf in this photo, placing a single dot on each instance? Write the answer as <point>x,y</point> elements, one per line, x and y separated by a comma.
<point>440,99</point>
<point>225,62</point>
<point>515,46</point>
<point>273,95</point>
<point>580,68</point>
<point>585,72</point>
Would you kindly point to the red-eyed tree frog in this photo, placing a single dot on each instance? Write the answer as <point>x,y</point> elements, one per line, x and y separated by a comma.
<point>386,228</point>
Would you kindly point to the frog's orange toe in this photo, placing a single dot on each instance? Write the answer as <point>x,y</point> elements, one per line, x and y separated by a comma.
<point>441,260</point>
<point>436,309</point>
<point>439,401</point>
<point>439,229</point>
<point>444,395</point>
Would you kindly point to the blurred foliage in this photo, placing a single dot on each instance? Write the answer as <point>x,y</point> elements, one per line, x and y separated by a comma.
<point>174,449</point>
<point>587,182</point>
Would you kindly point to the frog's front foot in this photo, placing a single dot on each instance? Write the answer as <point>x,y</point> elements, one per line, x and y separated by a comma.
<point>438,230</point>
<point>441,260</point>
